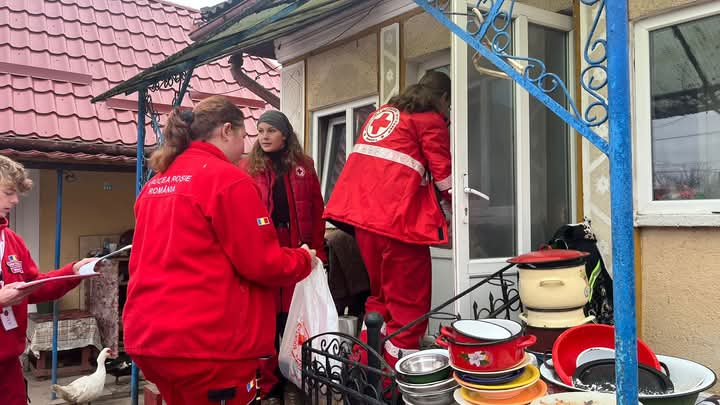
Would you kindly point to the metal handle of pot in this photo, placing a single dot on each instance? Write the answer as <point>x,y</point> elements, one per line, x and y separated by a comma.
<point>526,341</point>
<point>447,331</point>
<point>665,369</point>
<point>548,283</point>
<point>442,341</point>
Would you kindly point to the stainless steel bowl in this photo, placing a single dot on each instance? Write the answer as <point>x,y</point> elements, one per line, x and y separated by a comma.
<point>421,364</point>
<point>425,389</point>
<point>444,397</point>
<point>424,367</point>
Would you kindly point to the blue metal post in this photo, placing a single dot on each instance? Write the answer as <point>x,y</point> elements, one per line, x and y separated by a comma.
<point>621,202</point>
<point>134,377</point>
<point>56,305</point>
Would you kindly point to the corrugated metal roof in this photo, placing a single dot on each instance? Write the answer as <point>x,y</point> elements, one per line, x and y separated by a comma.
<point>55,55</point>
<point>257,25</point>
<point>212,12</point>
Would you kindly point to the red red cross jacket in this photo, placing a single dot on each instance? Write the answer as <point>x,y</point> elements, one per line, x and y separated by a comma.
<point>385,188</point>
<point>205,263</point>
<point>16,266</point>
<point>304,199</point>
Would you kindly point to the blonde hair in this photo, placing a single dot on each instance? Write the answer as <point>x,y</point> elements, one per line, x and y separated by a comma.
<point>14,175</point>
<point>183,127</point>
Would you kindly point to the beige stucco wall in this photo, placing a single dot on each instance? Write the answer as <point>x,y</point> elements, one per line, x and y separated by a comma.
<point>87,210</point>
<point>644,8</point>
<point>343,73</point>
<point>422,35</point>
<point>550,5</point>
<point>680,272</point>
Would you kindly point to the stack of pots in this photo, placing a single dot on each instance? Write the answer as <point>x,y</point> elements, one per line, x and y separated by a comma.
<point>554,290</point>
<point>490,362</point>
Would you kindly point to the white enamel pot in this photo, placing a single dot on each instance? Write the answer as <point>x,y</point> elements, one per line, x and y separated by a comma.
<point>554,288</point>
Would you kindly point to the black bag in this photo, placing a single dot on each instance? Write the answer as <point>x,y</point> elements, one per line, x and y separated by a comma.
<point>580,237</point>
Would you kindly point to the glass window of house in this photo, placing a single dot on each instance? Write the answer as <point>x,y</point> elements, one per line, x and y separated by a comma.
<point>332,142</point>
<point>685,108</point>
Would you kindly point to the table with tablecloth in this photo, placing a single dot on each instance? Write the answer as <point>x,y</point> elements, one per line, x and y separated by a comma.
<point>76,330</point>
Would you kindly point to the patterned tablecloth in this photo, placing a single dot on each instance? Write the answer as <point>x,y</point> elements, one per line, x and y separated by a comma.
<point>76,329</point>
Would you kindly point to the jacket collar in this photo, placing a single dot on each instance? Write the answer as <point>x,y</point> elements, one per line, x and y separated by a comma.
<point>207,147</point>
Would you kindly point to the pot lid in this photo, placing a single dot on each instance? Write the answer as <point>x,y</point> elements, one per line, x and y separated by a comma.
<point>548,255</point>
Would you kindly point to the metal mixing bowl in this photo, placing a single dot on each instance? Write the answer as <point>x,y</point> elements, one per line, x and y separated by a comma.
<point>424,364</point>
<point>424,367</point>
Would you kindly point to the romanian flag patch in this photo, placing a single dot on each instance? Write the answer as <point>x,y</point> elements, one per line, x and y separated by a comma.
<point>250,385</point>
<point>12,258</point>
<point>263,221</point>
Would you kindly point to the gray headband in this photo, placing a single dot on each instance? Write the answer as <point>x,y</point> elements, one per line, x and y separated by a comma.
<point>278,120</point>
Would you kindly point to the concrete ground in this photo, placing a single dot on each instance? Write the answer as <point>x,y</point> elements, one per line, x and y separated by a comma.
<point>114,394</point>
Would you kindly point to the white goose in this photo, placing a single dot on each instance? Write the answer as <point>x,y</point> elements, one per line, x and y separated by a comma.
<point>87,388</point>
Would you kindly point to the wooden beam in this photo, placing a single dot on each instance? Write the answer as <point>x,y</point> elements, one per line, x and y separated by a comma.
<point>246,81</point>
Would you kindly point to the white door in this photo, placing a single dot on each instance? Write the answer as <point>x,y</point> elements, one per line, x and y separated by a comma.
<point>512,148</point>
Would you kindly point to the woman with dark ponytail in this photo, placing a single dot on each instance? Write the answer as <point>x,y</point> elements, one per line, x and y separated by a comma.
<point>204,264</point>
<point>290,190</point>
<point>386,196</point>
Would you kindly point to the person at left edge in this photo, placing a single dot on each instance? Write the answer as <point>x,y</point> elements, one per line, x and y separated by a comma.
<point>17,267</point>
<point>205,263</point>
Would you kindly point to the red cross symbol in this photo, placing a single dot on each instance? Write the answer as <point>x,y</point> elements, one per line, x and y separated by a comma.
<point>381,122</point>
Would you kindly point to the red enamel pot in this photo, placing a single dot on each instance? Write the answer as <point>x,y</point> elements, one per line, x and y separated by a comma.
<point>472,348</point>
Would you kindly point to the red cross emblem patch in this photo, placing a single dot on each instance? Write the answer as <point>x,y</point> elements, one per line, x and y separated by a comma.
<point>381,124</point>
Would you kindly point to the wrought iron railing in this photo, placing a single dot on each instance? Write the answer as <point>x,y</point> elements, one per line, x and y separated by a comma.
<point>340,369</point>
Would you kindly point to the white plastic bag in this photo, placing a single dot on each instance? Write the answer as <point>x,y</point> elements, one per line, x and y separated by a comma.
<point>312,312</point>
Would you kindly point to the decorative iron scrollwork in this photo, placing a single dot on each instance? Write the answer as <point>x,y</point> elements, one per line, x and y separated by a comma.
<point>335,370</point>
<point>490,24</point>
<point>503,306</point>
<point>595,55</point>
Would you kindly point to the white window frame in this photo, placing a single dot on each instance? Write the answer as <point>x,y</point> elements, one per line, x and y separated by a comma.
<point>317,115</point>
<point>649,212</point>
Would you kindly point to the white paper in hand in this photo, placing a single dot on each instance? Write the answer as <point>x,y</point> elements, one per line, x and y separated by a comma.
<point>89,268</point>
<point>85,271</point>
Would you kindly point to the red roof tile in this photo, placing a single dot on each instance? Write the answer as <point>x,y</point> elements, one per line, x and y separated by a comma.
<point>55,55</point>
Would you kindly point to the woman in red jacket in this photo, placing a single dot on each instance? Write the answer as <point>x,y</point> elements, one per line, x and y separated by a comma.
<point>205,264</point>
<point>290,190</point>
<point>16,268</point>
<point>386,195</point>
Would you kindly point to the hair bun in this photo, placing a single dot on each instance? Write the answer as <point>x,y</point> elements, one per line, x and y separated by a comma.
<point>187,116</point>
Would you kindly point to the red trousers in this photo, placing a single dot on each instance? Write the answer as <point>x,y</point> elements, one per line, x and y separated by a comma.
<point>187,381</point>
<point>400,287</point>
<point>12,384</point>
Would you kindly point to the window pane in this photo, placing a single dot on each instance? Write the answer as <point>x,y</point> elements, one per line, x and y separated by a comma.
<point>360,115</point>
<point>491,164</point>
<point>685,89</point>
<point>334,159</point>
<point>549,142</point>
